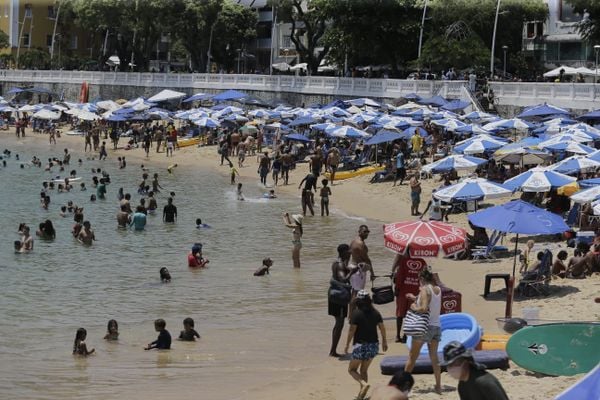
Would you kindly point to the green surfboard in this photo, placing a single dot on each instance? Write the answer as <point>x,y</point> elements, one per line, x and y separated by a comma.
<point>562,349</point>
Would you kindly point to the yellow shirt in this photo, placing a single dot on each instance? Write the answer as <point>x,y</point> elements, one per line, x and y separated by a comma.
<point>417,142</point>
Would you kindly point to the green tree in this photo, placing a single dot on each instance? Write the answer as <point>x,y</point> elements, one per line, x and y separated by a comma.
<point>589,27</point>
<point>308,26</point>
<point>4,40</point>
<point>444,52</point>
<point>353,35</point>
<point>35,58</point>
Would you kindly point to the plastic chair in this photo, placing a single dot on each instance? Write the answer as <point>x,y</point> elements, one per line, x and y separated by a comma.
<point>487,252</point>
<point>536,283</point>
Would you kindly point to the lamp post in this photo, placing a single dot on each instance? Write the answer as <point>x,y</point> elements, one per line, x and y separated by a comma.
<point>596,50</point>
<point>239,52</point>
<point>494,40</point>
<point>421,33</point>
<point>504,48</point>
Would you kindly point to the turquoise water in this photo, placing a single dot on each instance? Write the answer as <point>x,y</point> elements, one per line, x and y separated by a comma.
<point>253,329</point>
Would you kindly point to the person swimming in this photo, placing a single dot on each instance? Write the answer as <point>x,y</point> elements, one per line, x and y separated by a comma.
<point>270,195</point>
<point>200,225</point>
<point>264,268</point>
<point>188,334</point>
<point>165,275</point>
<point>112,330</point>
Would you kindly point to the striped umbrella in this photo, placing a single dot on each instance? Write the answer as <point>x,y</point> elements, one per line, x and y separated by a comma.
<point>454,163</point>
<point>574,164</point>
<point>538,180</point>
<point>472,189</point>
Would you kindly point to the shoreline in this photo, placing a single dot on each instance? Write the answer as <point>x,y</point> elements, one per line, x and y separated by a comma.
<point>382,203</point>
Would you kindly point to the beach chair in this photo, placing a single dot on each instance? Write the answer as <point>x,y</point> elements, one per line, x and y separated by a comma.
<point>536,283</point>
<point>487,252</point>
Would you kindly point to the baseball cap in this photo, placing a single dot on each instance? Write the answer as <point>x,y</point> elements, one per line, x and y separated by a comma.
<point>362,294</point>
<point>453,351</point>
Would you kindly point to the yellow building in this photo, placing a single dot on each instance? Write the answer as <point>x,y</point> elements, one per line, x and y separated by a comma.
<point>30,24</point>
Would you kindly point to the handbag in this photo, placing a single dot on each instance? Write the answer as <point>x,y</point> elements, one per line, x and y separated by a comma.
<point>339,293</point>
<point>383,294</point>
<point>416,324</point>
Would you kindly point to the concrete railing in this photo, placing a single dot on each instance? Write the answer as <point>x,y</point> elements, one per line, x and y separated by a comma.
<point>568,95</point>
<point>318,85</point>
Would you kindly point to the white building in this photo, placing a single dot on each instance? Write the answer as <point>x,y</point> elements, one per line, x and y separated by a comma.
<point>556,41</point>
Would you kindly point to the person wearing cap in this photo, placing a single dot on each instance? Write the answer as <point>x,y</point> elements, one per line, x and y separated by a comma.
<point>195,259</point>
<point>474,382</point>
<point>294,222</point>
<point>397,389</point>
<point>364,322</point>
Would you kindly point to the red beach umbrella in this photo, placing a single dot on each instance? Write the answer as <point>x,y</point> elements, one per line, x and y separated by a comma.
<point>424,238</point>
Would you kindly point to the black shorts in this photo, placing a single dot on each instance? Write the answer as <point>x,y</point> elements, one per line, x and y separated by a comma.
<point>400,173</point>
<point>336,310</point>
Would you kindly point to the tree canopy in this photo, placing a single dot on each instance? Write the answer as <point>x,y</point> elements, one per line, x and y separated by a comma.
<point>589,27</point>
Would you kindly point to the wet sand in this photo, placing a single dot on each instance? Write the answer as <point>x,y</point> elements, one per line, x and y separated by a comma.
<point>570,299</point>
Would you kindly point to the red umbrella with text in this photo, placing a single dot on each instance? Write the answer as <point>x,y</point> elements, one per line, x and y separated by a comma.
<point>424,238</point>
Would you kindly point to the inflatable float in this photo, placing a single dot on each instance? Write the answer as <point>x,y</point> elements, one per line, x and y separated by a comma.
<point>492,359</point>
<point>341,175</point>
<point>461,327</point>
<point>185,142</point>
<point>493,342</point>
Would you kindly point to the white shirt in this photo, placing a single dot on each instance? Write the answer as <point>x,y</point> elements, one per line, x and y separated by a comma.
<point>435,305</point>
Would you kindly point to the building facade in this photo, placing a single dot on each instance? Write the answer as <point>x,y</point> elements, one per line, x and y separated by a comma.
<point>556,41</point>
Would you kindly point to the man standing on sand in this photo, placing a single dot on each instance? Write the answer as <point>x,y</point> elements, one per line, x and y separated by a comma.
<point>333,160</point>
<point>360,263</point>
<point>170,212</point>
<point>415,194</point>
<point>263,168</point>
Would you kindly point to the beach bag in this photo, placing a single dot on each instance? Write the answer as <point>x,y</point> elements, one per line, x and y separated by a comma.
<point>339,293</point>
<point>416,324</point>
<point>383,294</point>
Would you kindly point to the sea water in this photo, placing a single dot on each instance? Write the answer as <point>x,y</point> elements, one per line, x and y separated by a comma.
<point>255,330</point>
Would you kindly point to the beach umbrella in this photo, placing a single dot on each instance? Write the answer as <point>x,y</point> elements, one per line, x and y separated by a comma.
<point>454,105</point>
<point>588,183</point>
<point>249,129</point>
<point>236,118</point>
<point>592,115</point>
<point>574,164</point>
<point>411,97</point>
<point>116,118</point>
<point>166,95</point>
<point>515,123</point>
<point>542,110</point>
<point>479,116</point>
<point>478,145</point>
<point>471,129</point>
<point>424,238</point>
<point>230,95</point>
<point>46,114</point>
<point>556,71</point>
<point>324,126</point>
<point>297,138</point>
<point>454,162</point>
<point>197,97</point>
<point>560,138</point>
<point>587,195</point>
<point>108,105</point>
<point>537,180</point>
<point>408,132</point>
<point>436,101</point>
<point>516,153</point>
<point>364,101</point>
<point>570,147</point>
<point>303,121</point>
<point>85,115</point>
<point>206,122</point>
<point>448,124</point>
<point>472,189</point>
<point>347,132</point>
<point>383,136</point>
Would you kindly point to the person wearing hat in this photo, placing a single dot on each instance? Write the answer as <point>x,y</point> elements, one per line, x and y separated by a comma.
<point>294,222</point>
<point>364,322</point>
<point>474,382</point>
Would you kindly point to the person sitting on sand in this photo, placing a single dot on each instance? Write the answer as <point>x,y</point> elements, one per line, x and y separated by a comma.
<point>163,342</point>
<point>112,330</point>
<point>188,334</point>
<point>586,265</point>
<point>559,269</point>
<point>398,388</point>
<point>264,268</point>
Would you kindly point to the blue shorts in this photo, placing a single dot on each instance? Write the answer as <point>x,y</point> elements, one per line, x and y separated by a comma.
<point>365,351</point>
<point>415,197</point>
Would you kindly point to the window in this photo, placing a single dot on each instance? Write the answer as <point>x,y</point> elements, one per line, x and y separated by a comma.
<point>73,42</point>
<point>530,30</point>
<point>51,12</point>
<point>286,41</point>
<point>49,40</point>
<point>28,10</point>
<point>26,40</point>
<point>566,13</point>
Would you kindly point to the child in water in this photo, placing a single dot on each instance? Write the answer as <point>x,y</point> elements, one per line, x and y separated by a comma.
<point>112,330</point>
<point>270,195</point>
<point>79,346</point>
<point>240,195</point>
<point>325,193</point>
<point>233,172</point>
<point>264,268</point>
<point>163,342</point>
<point>200,225</point>
<point>188,334</point>
<point>165,275</point>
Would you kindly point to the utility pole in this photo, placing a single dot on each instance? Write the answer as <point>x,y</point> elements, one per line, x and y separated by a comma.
<point>54,32</point>
<point>421,33</point>
<point>25,16</point>
<point>494,40</point>
<point>132,62</point>
<point>209,53</point>
<point>273,25</point>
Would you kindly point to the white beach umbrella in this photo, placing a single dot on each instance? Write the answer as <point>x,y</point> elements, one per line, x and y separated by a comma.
<point>166,95</point>
<point>538,180</point>
<point>46,114</point>
<point>575,164</point>
<point>587,195</point>
<point>471,189</point>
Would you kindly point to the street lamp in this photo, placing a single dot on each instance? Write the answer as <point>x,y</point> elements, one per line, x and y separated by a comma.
<point>239,52</point>
<point>504,48</point>
<point>494,39</point>
<point>596,50</point>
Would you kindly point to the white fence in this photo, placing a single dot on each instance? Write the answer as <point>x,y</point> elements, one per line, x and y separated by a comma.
<point>568,95</point>
<point>318,85</point>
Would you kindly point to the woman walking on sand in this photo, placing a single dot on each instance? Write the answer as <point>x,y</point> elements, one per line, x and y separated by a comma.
<point>294,222</point>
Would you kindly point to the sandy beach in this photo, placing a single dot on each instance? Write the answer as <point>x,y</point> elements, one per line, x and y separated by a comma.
<point>570,300</point>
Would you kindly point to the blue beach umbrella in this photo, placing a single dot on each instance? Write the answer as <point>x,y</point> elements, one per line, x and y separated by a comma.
<point>588,183</point>
<point>538,180</point>
<point>479,116</point>
<point>516,123</point>
<point>472,189</point>
<point>206,122</point>
<point>229,95</point>
<point>436,101</point>
<point>592,115</point>
<point>455,105</point>
<point>542,110</point>
<point>408,132</point>
<point>570,147</point>
<point>117,118</point>
<point>471,129</point>
<point>197,97</point>
<point>575,164</point>
<point>478,145</point>
<point>383,136</point>
<point>297,137</point>
<point>347,132</point>
<point>303,121</point>
<point>454,162</point>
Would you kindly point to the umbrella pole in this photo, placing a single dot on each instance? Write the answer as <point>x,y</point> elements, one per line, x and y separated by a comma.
<point>511,284</point>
